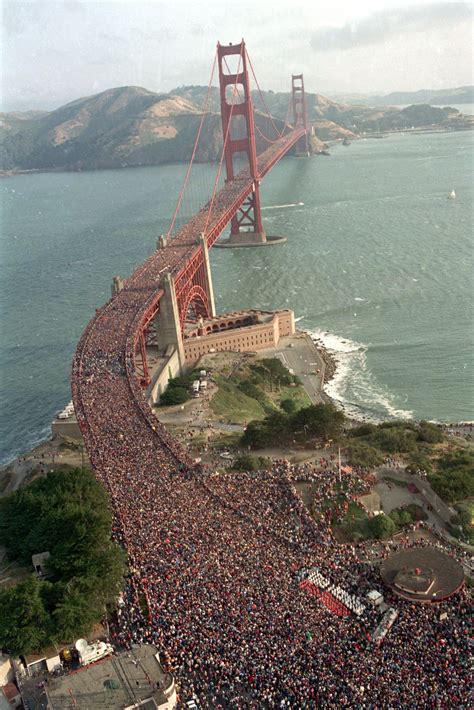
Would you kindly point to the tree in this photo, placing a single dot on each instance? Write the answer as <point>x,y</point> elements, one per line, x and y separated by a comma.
<point>256,435</point>
<point>361,454</point>
<point>380,526</point>
<point>174,395</point>
<point>26,625</point>
<point>322,420</point>
<point>288,405</point>
<point>67,514</point>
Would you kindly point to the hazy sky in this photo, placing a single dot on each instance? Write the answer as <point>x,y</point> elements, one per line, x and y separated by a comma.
<point>54,52</point>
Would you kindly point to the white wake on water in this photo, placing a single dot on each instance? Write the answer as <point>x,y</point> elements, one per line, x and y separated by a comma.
<point>353,385</point>
<point>280,207</point>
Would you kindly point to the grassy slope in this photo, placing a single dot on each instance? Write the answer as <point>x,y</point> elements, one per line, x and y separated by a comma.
<point>232,404</point>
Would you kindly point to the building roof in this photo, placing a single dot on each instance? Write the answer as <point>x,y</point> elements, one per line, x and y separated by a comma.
<point>423,574</point>
<point>10,691</point>
<point>114,683</point>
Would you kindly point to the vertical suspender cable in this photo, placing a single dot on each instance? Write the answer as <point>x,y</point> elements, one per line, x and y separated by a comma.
<point>188,172</point>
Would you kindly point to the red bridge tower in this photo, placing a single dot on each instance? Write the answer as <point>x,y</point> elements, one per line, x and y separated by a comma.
<point>246,225</point>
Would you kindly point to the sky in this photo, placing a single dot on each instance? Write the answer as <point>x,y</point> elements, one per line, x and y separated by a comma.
<point>55,52</point>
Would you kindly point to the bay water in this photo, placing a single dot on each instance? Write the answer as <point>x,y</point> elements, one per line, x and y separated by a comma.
<point>377,264</point>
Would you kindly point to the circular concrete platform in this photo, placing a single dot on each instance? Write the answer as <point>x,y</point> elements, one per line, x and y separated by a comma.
<point>422,574</point>
<point>271,241</point>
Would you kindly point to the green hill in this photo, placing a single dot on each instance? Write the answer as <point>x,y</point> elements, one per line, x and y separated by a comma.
<point>131,126</point>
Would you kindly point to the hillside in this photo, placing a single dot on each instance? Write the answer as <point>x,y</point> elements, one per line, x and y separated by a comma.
<point>349,117</point>
<point>441,97</point>
<point>131,126</point>
<point>122,127</point>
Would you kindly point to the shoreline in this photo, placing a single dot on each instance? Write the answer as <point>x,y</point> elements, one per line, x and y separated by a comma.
<point>420,130</point>
<point>56,452</point>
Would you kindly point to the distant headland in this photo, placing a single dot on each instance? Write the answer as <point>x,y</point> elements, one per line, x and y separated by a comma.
<point>130,126</point>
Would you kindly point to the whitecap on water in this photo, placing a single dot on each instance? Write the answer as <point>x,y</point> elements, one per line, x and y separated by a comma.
<point>359,299</point>
<point>280,207</point>
<point>354,386</point>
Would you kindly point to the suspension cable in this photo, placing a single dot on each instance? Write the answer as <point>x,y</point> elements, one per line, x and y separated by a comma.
<point>279,134</point>
<point>234,92</point>
<point>188,172</point>
<point>262,135</point>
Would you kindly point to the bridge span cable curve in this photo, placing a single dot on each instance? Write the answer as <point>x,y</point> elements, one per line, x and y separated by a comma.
<point>278,133</point>
<point>196,142</point>
<point>235,91</point>
<point>259,131</point>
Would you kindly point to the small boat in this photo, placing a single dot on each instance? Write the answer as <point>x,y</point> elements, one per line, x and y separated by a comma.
<point>452,195</point>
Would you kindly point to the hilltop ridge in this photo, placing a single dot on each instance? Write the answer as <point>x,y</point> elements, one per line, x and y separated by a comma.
<point>131,126</point>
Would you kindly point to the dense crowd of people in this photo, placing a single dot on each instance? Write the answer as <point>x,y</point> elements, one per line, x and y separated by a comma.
<point>215,560</point>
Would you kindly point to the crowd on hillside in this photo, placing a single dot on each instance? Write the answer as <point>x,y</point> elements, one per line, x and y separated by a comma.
<point>215,560</point>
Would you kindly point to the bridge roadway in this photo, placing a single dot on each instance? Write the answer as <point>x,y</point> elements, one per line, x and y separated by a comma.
<point>104,386</point>
<point>143,468</point>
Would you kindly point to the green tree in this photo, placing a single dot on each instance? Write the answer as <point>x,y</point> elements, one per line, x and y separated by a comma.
<point>256,435</point>
<point>380,526</point>
<point>321,420</point>
<point>362,454</point>
<point>174,395</point>
<point>67,514</point>
<point>288,405</point>
<point>25,623</point>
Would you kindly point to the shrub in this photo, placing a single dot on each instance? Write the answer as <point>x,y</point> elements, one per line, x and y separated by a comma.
<point>431,433</point>
<point>288,405</point>
<point>174,395</point>
<point>364,455</point>
<point>419,462</point>
<point>252,390</point>
<point>363,430</point>
<point>381,526</point>
<point>245,462</point>
<point>454,480</point>
<point>392,439</point>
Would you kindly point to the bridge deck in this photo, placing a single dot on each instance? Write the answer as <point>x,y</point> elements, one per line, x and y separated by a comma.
<point>123,438</point>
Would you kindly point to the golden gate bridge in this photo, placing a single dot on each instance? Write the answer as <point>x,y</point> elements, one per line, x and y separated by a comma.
<point>110,372</point>
<point>214,560</point>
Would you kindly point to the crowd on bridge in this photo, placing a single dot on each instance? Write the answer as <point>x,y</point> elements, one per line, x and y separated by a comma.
<point>215,560</point>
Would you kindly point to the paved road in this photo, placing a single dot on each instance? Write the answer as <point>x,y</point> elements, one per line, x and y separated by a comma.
<point>305,361</point>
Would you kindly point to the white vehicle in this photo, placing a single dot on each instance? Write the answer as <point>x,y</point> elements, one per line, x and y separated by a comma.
<point>196,385</point>
<point>203,385</point>
<point>202,374</point>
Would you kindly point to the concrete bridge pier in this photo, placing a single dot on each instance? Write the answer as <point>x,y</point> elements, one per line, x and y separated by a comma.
<point>168,328</point>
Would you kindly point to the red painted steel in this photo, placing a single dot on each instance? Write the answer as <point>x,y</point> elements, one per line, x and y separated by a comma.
<point>183,256</point>
<point>120,431</point>
<point>248,215</point>
<point>299,108</point>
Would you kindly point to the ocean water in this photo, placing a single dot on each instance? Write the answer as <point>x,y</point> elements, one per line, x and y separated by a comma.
<point>378,265</point>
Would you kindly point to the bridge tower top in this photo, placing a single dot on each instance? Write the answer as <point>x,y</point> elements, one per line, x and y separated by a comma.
<point>240,105</point>
<point>299,105</point>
